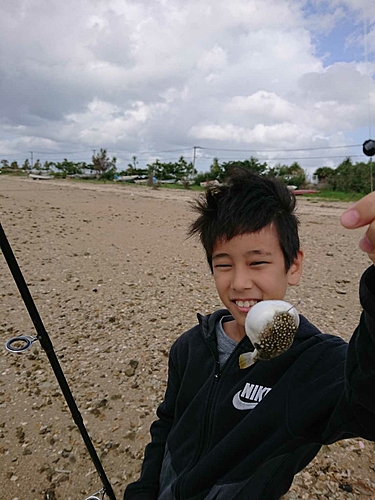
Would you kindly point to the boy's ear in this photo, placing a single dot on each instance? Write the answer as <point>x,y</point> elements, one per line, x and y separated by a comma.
<point>295,270</point>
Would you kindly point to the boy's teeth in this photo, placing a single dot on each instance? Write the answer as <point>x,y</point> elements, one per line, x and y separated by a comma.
<point>247,303</point>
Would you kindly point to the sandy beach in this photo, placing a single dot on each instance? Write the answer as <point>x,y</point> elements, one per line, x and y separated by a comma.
<point>116,281</point>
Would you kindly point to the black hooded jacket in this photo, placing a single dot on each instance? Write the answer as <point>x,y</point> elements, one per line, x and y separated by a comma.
<point>236,434</point>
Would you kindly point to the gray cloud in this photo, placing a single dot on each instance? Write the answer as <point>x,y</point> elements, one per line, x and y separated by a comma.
<point>163,74</point>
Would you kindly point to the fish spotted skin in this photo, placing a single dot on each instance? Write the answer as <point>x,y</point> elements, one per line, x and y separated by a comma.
<point>274,339</point>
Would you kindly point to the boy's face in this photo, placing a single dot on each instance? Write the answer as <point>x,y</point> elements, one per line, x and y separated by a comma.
<point>250,268</point>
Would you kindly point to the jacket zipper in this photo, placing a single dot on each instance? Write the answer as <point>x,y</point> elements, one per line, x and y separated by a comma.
<point>233,353</point>
<point>178,490</point>
<point>205,439</point>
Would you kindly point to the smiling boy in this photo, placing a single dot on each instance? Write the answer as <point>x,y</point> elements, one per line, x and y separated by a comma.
<point>249,268</point>
<point>227,433</point>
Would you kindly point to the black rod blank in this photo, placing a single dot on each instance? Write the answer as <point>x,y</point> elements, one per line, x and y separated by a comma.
<point>48,347</point>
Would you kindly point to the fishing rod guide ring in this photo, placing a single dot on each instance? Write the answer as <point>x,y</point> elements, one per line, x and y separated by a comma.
<point>26,340</point>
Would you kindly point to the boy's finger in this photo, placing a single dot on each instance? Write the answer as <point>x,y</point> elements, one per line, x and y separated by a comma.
<point>367,242</point>
<point>360,214</point>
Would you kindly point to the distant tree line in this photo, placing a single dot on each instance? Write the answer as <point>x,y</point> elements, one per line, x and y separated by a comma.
<point>347,177</point>
<point>289,174</point>
<point>101,164</point>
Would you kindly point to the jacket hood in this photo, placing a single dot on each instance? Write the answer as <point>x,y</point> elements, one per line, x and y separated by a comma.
<point>208,325</point>
<point>208,322</point>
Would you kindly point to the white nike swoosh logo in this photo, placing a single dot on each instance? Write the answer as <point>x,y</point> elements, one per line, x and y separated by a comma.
<point>242,405</point>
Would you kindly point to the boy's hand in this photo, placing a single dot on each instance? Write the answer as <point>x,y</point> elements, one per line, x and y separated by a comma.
<point>362,214</point>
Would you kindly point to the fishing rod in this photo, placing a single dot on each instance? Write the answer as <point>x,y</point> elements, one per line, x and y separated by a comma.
<point>23,342</point>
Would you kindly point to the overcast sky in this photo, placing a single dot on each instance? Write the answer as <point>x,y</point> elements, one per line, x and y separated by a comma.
<point>154,78</point>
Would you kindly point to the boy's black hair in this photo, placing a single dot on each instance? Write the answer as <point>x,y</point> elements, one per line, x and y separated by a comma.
<point>247,203</point>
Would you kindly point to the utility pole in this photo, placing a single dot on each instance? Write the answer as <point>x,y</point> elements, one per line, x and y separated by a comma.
<point>195,155</point>
<point>92,161</point>
<point>32,159</point>
<point>135,162</point>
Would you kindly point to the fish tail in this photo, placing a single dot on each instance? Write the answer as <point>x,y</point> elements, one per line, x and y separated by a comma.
<point>247,359</point>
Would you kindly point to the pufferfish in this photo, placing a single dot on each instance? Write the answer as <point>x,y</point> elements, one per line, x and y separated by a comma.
<point>271,326</point>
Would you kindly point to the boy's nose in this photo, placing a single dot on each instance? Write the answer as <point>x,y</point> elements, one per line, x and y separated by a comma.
<point>241,281</point>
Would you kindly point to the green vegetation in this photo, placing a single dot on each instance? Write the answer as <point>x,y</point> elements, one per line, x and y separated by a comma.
<point>349,181</point>
<point>348,177</point>
<point>68,168</point>
<point>104,166</point>
<point>328,195</point>
<point>288,174</point>
<point>193,187</point>
<point>180,170</point>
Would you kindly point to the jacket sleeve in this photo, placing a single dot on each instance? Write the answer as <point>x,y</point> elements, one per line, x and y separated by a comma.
<point>147,486</point>
<point>354,414</point>
<point>360,365</point>
<point>331,388</point>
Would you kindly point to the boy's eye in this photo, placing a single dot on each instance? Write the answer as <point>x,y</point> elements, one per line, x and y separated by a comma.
<point>259,263</point>
<point>222,265</point>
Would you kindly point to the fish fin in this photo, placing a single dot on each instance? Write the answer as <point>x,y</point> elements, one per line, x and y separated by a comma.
<point>247,359</point>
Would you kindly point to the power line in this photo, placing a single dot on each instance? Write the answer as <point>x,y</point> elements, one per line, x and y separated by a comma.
<point>155,152</point>
<point>366,69</point>
<point>61,153</point>
<point>282,150</point>
<point>283,158</point>
<point>365,34</point>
